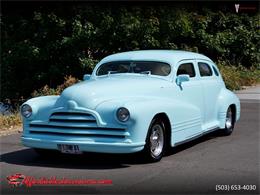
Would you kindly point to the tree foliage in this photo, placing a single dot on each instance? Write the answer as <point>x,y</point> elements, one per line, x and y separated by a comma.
<point>42,45</point>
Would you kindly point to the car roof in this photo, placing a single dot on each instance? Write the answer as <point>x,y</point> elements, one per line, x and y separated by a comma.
<point>168,56</point>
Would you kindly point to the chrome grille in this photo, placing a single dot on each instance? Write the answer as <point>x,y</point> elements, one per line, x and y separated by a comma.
<point>75,124</point>
<point>71,117</point>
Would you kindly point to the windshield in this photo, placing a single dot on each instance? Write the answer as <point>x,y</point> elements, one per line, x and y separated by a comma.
<point>142,67</point>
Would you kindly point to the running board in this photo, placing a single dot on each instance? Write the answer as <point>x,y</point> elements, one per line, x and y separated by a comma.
<point>197,136</point>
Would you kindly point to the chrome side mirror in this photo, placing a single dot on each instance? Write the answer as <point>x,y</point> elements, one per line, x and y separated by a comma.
<point>86,77</point>
<point>182,78</point>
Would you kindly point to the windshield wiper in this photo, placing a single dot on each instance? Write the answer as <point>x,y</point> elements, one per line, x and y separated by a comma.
<point>112,72</point>
<point>146,72</point>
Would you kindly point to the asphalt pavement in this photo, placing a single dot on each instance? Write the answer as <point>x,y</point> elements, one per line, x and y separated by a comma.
<point>197,167</point>
<point>251,93</point>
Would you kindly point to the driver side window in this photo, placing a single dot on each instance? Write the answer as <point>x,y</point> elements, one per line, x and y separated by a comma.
<point>186,68</point>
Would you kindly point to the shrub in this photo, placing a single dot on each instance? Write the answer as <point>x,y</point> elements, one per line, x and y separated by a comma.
<point>46,90</point>
<point>44,43</point>
<point>236,77</point>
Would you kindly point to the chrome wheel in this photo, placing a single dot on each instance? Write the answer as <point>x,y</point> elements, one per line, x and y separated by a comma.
<point>156,140</point>
<point>229,122</point>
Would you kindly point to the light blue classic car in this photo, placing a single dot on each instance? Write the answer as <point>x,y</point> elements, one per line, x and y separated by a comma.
<point>133,101</point>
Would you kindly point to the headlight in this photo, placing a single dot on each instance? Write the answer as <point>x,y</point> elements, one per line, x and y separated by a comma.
<point>26,110</point>
<point>123,114</point>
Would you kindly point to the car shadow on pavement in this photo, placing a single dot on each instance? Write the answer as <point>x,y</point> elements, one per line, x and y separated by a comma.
<point>190,144</point>
<point>28,157</point>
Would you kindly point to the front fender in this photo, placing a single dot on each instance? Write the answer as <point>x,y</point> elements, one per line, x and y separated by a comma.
<point>41,107</point>
<point>142,112</point>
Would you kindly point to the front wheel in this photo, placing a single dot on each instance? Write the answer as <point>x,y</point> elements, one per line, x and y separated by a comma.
<point>155,141</point>
<point>229,123</point>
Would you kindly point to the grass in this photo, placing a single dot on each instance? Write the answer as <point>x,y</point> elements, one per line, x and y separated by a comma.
<point>10,123</point>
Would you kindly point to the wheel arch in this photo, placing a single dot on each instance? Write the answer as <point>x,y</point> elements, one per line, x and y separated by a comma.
<point>164,117</point>
<point>227,99</point>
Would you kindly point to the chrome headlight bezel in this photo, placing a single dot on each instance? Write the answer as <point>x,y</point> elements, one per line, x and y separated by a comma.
<point>123,114</point>
<point>26,111</point>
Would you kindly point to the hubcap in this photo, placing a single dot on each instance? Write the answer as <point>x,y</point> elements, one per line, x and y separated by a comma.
<point>229,119</point>
<point>156,140</point>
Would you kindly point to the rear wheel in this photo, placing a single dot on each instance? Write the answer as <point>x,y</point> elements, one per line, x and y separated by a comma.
<point>155,141</point>
<point>229,122</point>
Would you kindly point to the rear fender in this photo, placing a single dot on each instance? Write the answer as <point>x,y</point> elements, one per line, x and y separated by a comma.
<point>227,98</point>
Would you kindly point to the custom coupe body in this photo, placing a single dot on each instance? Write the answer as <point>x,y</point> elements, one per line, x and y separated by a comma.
<point>134,101</point>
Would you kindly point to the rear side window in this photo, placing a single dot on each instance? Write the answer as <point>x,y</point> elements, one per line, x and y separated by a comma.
<point>215,71</point>
<point>204,69</point>
<point>187,68</point>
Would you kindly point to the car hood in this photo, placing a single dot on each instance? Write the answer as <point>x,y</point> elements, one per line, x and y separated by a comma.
<point>89,94</point>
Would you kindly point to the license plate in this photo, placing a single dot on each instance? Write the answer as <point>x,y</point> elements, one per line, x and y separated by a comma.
<point>69,149</point>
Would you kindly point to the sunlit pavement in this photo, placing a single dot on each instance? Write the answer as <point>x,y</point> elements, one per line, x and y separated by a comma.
<point>252,93</point>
